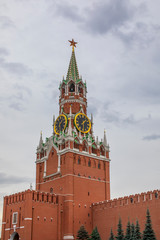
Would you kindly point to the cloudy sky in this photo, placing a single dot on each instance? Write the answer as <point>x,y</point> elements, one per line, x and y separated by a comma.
<point>118,54</point>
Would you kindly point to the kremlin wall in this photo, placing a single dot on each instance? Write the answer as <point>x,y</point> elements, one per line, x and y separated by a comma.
<point>73,179</point>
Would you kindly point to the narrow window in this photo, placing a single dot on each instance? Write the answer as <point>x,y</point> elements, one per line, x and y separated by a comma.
<point>14,219</point>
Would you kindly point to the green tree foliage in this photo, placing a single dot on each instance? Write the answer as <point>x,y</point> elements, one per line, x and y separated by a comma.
<point>111,236</point>
<point>128,231</point>
<point>120,235</point>
<point>148,233</point>
<point>132,232</point>
<point>82,234</point>
<point>95,234</point>
<point>137,235</point>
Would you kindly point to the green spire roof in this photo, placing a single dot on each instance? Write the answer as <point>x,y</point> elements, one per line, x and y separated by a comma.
<point>73,69</point>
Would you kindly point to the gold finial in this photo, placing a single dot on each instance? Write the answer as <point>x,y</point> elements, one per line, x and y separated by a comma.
<point>41,132</point>
<point>73,44</point>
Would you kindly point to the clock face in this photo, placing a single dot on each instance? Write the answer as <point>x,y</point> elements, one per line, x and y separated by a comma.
<point>82,123</point>
<point>60,124</point>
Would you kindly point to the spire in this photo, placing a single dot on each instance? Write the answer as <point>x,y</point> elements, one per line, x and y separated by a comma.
<point>40,140</point>
<point>105,139</point>
<point>73,69</point>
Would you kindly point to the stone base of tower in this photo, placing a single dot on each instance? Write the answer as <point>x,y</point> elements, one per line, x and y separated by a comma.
<point>68,237</point>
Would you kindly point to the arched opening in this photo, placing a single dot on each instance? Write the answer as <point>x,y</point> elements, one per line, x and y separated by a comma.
<point>51,190</point>
<point>80,88</point>
<point>102,151</point>
<point>79,160</point>
<point>89,163</point>
<point>94,149</point>
<point>63,144</point>
<point>14,236</point>
<point>63,90</point>
<point>99,165</point>
<point>76,143</point>
<point>85,146</point>
<point>72,87</point>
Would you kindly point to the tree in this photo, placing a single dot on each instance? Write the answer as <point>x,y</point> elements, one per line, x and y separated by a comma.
<point>132,232</point>
<point>128,231</point>
<point>95,234</point>
<point>137,231</point>
<point>111,236</point>
<point>148,233</point>
<point>120,235</point>
<point>82,234</point>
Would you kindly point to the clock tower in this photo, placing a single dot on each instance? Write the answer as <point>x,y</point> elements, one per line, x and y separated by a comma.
<point>72,163</point>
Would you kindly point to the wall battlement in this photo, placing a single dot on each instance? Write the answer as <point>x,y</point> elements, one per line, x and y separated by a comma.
<point>36,196</point>
<point>128,200</point>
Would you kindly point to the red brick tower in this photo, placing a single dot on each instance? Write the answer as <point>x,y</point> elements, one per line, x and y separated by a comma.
<point>71,163</point>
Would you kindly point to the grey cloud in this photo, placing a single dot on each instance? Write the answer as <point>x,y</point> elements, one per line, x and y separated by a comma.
<point>140,33</point>
<point>101,17</point>
<point>151,137</point>
<point>70,12</point>
<point>107,16</point>
<point>17,100</point>
<point>110,115</point>
<point>15,68</point>
<point>16,106</point>
<point>4,52</point>
<point>9,179</point>
<point>23,89</point>
<point>6,22</point>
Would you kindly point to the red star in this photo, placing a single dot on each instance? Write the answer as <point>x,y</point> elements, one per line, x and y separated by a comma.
<point>72,43</point>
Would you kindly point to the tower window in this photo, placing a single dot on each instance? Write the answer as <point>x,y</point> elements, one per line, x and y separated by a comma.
<point>72,88</point>
<point>14,219</point>
<point>51,190</point>
<point>99,165</point>
<point>79,160</point>
<point>89,163</point>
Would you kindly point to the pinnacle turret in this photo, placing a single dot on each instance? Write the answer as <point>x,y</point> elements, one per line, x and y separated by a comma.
<point>40,140</point>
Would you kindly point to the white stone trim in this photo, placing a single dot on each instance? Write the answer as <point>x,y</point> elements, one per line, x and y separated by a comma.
<point>74,150</point>
<point>7,229</point>
<point>51,175</point>
<point>68,237</point>
<point>92,179</point>
<point>27,218</point>
<point>3,222</point>
<point>73,100</point>
<point>68,201</point>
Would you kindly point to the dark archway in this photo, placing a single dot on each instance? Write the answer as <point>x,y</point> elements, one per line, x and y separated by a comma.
<point>72,87</point>
<point>14,236</point>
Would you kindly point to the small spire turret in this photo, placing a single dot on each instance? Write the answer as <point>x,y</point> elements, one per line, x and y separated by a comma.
<point>40,140</point>
<point>105,138</point>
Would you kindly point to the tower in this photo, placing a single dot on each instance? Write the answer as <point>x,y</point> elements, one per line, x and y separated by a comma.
<point>71,163</point>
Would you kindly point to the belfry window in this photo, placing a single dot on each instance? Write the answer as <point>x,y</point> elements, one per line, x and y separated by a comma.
<point>72,88</point>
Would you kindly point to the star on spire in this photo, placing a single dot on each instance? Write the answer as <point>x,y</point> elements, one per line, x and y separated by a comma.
<point>73,44</point>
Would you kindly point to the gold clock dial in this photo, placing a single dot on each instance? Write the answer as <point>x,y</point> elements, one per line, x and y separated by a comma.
<point>82,123</point>
<point>60,124</point>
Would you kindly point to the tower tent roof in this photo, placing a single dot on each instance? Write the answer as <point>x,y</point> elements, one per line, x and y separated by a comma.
<point>73,69</point>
